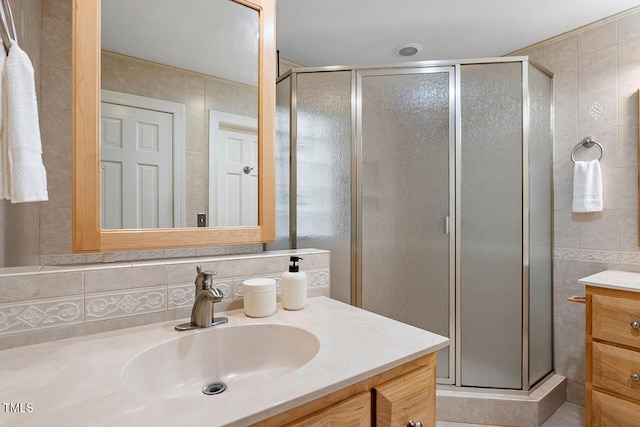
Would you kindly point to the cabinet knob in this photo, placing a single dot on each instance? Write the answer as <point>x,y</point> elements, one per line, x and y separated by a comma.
<point>412,423</point>
<point>635,377</point>
<point>635,325</point>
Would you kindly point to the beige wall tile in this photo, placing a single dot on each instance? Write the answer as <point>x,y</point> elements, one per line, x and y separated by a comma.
<point>629,61</point>
<point>565,76</point>
<point>39,286</point>
<point>258,266</point>
<point>197,135</point>
<point>231,98</point>
<point>560,50</point>
<point>137,81</point>
<point>56,42</point>
<point>186,273</point>
<point>60,10</point>
<point>598,230</point>
<point>193,83</point>
<point>628,230</point>
<point>597,110</point>
<point>628,146</point>
<point>598,38</point>
<point>566,113</point>
<point>595,70</point>
<point>113,73</point>
<point>628,103</point>
<point>628,187</point>
<point>629,27</point>
<point>565,230</point>
<point>112,279</point>
<point>55,231</point>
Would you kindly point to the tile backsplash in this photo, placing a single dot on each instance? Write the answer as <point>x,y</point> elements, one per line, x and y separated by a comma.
<point>45,303</point>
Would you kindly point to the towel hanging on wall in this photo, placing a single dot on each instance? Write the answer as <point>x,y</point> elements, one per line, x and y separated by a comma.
<point>26,175</point>
<point>587,187</point>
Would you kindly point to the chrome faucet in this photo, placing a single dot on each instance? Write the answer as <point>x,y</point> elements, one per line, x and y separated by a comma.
<point>202,314</point>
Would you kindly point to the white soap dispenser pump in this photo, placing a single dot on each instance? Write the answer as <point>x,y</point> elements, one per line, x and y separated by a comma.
<point>294,286</point>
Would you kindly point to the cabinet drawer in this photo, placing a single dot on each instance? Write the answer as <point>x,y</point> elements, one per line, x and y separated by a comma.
<point>612,318</point>
<point>612,369</point>
<point>609,411</point>
<point>409,397</point>
<point>354,411</point>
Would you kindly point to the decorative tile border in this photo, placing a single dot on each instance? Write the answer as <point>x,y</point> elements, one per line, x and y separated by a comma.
<point>591,255</point>
<point>182,295</point>
<point>109,305</point>
<point>317,278</point>
<point>40,314</point>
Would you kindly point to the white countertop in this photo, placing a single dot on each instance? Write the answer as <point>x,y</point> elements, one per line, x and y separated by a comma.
<point>614,279</point>
<point>78,381</point>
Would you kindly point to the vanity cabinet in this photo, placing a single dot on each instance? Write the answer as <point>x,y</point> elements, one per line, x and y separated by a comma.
<point>392,398</point>
<point>613,357</point>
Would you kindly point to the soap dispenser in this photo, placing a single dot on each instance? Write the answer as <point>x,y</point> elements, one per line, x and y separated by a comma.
<point>294,286</point>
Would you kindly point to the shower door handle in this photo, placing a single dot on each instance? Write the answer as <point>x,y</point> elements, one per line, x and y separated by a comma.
<point>446,224</point>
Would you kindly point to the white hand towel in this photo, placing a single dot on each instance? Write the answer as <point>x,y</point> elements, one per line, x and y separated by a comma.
<point>28,176</point>
<point>4,145</point>
<point>587,187</point>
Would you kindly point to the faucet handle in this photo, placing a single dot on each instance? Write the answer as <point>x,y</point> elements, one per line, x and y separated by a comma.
<point>217,293</point>
<point>204,279</point>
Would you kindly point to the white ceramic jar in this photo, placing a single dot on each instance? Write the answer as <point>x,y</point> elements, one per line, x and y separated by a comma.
<point>259,297</point>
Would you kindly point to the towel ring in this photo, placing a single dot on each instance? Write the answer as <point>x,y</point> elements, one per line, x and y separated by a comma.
<point>588,142</point>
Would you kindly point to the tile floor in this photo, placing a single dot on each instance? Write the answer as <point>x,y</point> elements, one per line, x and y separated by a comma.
<point>568,415</point>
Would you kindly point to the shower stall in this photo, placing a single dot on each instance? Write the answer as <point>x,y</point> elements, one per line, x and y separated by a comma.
<point>431,185</point>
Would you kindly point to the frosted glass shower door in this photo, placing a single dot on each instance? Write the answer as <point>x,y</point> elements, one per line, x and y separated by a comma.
<point>405,137</point>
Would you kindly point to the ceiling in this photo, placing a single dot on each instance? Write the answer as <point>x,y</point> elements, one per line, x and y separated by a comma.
<point>214,37</point>
<point>341,32</point>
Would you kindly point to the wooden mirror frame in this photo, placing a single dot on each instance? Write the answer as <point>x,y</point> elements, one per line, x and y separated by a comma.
<point>87,236</point>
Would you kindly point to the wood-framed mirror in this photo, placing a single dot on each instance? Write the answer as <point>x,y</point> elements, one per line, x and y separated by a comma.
<point>90,234</point>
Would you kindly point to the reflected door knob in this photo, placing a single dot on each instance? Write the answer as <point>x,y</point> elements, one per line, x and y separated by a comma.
<point>247,170</point>
<point>412,423</point>
<point>635,377</point>
<point>635,325</point>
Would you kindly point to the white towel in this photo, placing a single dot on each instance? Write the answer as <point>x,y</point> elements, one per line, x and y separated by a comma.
<point>28,176</point>
<point>4,144</point>
<point>587,187</point>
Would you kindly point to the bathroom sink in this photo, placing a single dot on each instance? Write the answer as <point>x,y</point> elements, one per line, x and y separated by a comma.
<point>239,356</point>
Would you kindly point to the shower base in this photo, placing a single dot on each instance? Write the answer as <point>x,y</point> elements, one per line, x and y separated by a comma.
<point>501,407</point>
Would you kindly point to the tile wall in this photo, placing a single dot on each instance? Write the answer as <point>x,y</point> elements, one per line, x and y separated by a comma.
<point>597,76</point>
<point>47,303</point>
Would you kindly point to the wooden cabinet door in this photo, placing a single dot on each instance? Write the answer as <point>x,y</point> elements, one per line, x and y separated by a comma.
<point>609,411</point>
<point>612,370</point>
<point>353,412</point>
<point>612,318</point>
<point>409,397</point>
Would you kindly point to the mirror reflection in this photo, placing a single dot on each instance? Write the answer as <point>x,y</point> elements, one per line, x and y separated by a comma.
<point>179,102</point>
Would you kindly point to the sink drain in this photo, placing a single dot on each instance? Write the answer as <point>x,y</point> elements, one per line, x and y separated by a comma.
<point>214,388</point>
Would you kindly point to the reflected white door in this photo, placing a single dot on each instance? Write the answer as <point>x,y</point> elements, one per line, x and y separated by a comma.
<point>136,167</point>
<point>237,178</point>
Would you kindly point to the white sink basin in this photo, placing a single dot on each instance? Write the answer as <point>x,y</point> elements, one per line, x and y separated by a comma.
<point>240,356</point>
